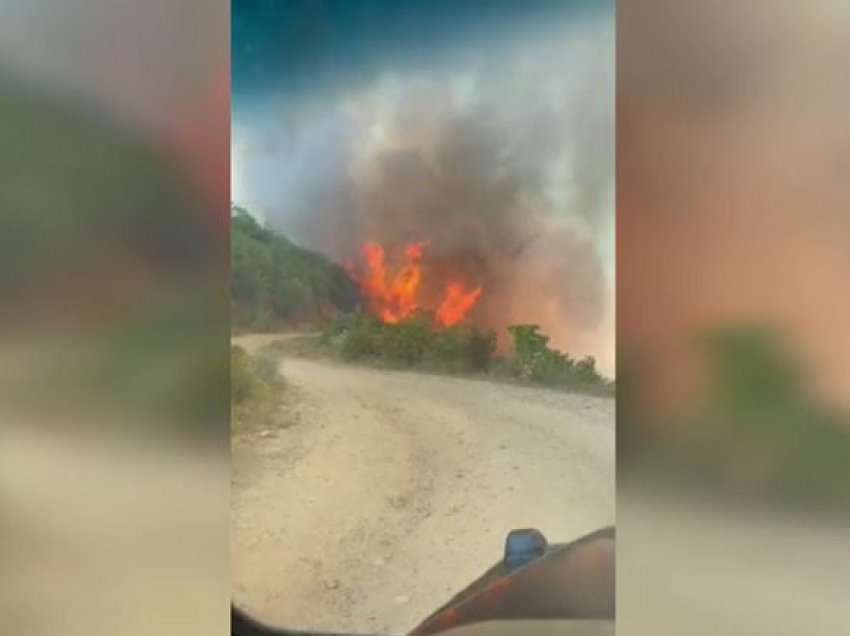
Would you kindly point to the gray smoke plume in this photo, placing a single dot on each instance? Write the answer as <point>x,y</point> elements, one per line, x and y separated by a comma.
<point>503,163</point>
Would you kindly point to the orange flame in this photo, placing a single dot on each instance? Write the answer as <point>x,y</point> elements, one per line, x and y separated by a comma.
<point>395,298</point>
<point>456,304</point>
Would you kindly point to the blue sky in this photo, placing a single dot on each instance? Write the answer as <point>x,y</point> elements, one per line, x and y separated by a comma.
<point>287,46</point>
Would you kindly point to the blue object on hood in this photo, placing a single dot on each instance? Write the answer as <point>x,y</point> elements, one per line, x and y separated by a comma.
<point>522,547</point>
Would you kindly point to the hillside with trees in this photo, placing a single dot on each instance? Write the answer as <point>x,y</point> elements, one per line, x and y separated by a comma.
<point>275,283</point>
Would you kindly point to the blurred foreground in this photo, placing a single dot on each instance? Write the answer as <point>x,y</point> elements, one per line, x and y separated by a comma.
<point>733,428</point>
<point>114,328</point>
<point>111,537</point>
<point>690,565</point>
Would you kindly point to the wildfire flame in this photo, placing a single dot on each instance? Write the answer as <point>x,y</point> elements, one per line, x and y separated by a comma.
<point>394,298</point>
<point>456,304</point>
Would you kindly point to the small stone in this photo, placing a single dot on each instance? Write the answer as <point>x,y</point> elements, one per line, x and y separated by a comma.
<point>401,600</point>
<point>378,562</point>
<point>332,584</point>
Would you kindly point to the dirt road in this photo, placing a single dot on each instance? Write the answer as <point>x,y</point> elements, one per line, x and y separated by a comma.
<point>390,491</point>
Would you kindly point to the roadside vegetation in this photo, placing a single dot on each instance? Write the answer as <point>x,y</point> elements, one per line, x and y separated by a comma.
<point>256,389</point>
<point>462,349</point>
<point>534,360</point>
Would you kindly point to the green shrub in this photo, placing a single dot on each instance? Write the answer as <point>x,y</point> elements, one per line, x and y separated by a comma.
<point>463,348</point>
<point>585,371</point>
<point>359,340</point>
<point>243,383</point>
<point>458,349</point>
<point>252,377</point>
<point>405,343</point>
<point>534,360</point>
<point>410,343</point>
<point>341,325</point>
<point>265,364</point>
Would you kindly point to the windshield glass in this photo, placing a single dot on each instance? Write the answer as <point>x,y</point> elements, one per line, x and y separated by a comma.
<point>422,262</point>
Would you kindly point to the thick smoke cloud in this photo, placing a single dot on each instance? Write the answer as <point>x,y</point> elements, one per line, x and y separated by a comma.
<point>503,163</point>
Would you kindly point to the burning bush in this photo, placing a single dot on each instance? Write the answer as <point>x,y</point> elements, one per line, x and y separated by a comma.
<point>396,296</point>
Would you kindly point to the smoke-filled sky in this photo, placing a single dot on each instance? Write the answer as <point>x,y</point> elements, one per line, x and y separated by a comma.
<point>485,128</point>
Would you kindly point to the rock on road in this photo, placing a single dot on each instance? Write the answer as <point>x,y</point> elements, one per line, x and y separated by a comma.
<point>391,491</point>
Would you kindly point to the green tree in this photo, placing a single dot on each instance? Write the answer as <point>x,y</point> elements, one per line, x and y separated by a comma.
<point>274,279</point>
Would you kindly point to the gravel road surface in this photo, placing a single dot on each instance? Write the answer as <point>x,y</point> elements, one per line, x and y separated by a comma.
<point>387,492</point>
